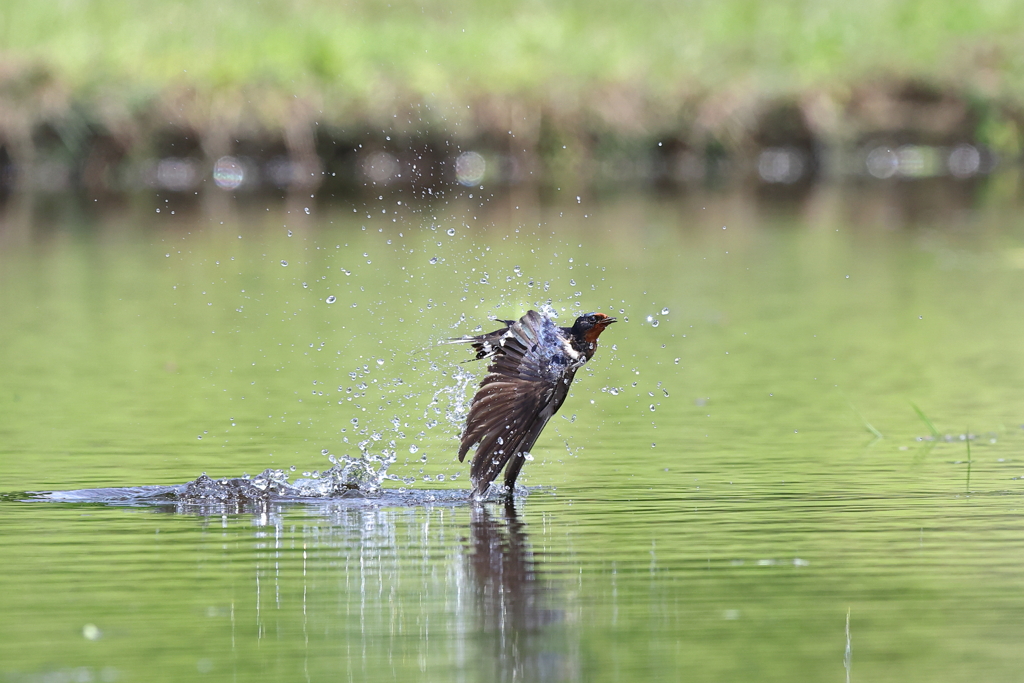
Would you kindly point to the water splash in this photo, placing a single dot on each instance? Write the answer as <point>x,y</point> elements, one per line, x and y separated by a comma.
<point>451,400</point>
<point>361,475</point>
<point>207,496</point>
<point>547,309</point>
<point>358,476</point>
<point>261,489</point>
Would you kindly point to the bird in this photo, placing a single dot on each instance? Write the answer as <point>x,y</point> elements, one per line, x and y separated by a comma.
<point>532,364</point>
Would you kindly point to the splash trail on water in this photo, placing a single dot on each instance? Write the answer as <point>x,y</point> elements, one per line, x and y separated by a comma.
<point>352,481</point>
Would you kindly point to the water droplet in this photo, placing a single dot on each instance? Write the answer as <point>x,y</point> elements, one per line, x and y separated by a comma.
<point>652,407</point>
<point>324,452</point>
<point>664,311</point>
<point>289,233</point>
<point>413,448</point>
<point>307,210</point>
<point>677,361</point>
<point>439,477</point>
<point>451,232</point>
<point>284,263</point>
<point>655,323</point>
<point>331,299</point>
<point>433,260</point>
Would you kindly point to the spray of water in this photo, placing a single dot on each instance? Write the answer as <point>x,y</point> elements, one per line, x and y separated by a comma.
<point>359,476</point>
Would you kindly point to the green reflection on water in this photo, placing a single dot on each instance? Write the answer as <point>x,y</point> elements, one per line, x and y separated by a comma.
<point>723,534</point>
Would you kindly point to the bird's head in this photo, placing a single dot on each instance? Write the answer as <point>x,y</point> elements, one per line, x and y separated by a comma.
<point>590,326</point>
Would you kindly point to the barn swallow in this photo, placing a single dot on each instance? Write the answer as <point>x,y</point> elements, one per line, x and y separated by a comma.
<point>533,362</point>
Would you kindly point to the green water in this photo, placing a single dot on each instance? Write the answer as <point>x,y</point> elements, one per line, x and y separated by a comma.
<point>712,503</point>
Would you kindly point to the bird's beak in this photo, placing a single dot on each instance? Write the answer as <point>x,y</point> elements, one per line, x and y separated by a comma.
<point>609,321</point>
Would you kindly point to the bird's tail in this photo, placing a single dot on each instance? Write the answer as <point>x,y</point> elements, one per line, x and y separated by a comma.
<point>484,344</point>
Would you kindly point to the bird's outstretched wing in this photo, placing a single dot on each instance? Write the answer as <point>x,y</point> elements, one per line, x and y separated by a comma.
<point>527,381</point>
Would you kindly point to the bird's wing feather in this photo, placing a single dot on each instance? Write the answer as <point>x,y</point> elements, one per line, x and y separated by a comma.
<point>484,344</point>
<point>527,380</point>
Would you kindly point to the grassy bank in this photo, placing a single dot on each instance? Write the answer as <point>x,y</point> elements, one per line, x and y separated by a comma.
<point>730,74</point>
<point>349,51</point>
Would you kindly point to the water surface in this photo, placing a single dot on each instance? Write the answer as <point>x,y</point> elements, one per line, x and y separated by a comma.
<point>713,502</point>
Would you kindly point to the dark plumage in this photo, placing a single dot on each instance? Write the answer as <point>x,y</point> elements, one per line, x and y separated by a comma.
<point>533,362</point>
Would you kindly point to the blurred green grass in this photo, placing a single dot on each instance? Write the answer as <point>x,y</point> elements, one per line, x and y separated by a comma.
<point>355,53</point>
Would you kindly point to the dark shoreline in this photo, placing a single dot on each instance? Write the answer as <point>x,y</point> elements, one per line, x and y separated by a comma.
<point>886,131</point>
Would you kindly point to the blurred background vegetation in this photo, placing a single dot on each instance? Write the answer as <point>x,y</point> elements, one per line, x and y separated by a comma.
<point>550,87</point>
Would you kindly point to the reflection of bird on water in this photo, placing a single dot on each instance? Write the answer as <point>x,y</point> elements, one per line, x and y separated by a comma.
<point>524,637</point>
<point>533,362</point>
